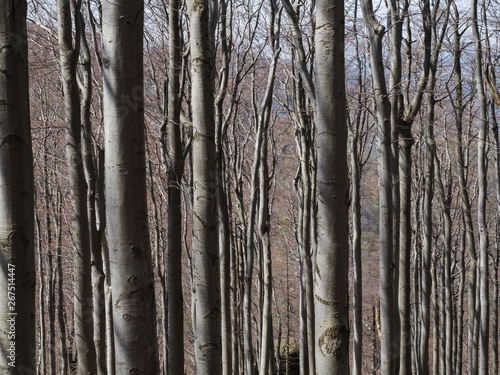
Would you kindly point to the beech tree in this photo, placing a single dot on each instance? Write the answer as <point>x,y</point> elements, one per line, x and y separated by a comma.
<point>304,184</point>
<point>17,241</point>
<point>484,295</point>
<point>174,164</point>
<point>134,313</point>
<point>80,224</point>
<point>331,264</point>
<point>375,33</point>
<point>207,304</point>
<point>361,146</point>
<point>490,78</point>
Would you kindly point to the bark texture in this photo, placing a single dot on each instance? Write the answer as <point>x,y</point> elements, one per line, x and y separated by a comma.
<point>482,121</point>
<point>206,280</point>
<point>388,342</point>
<point>174,166</point>
<point>134,311</point>
<point>79,217</point>
<point>90,167</point>
<point>331,264</point>
<point>16,193</point>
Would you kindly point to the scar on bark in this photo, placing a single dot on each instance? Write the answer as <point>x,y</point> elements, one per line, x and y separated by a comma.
<point>209,345</point>
<point>334,341</point>
<point>324,301</point>
<point>317,271</point>
<point>212,312</point>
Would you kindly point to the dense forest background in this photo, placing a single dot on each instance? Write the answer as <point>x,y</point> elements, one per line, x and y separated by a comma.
<point>242,187</point>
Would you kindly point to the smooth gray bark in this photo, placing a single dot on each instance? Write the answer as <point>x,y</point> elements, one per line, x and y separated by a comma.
<point>17,243</point>
<point>61,312</point>
<point>445,194</point>
<point>134,310</point>
<point>266,334</point>
<point>375,32</point>
<point>224,235</point>
<point>356,245</point>
<point>303,93</point>
<point>46,297</point>
<point>68,55</point>
<point>266,337</point>
<point>484,293</point>
<point>89,165</point>
<point>303,187</point>
<point>460,308</point>
<point>434,365</point>
<point>357,148</point>
<point>101,214</point>
<point>395,36</point>
<point>42,352</point>
<point>427,236</point>
<point>464,193</point>
<point>261,123</point>
<point>490,79</point>
<point>159,269</point>
<point>174,164</point>
<point>206,277</point>
<point>331,333</point>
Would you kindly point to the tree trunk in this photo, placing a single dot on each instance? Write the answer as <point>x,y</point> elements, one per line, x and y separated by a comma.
<point>427,245</point>
<point>460,308</point>
<point>447,328</point>
<point>266,341</point>
<point>356,172</point>
<point>484,294</point>
<point>205,245</point>
<point>435,310</point>
<point>160,272</point>
<point>42,352</point>
<point>442,317</point>
<point>496,257</point>
<point>303,188</point>
<point>224,236</point>
<point>249,257</point>
<point>356,247</point>
<point>399,203</point>
<point>464,195</point>
<point>79,218</point>
<point>51,306</point>
<point>89,166</point>
<point>406,141</point>
<point>134,310</point>
<point>375,33</point>
<point>267,347</point>
<point>17,242</point>
<point>61,312</point>
<point>331,264</point>
<point>491,81</point>
<point>416,277</point>
<point>236,295</point>
<point>46,278</point>
<point>494,323</point>
<point>103,244</point>
<point>174,164</point>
